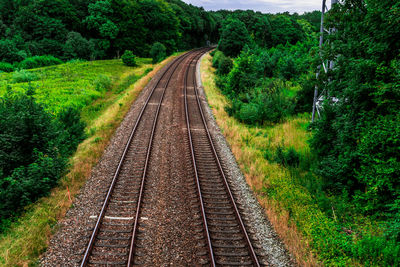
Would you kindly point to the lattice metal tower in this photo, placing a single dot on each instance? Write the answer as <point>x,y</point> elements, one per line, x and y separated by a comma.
<point>325,65</point>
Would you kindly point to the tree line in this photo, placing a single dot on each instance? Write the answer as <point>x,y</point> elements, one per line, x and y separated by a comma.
<point>90,29</point>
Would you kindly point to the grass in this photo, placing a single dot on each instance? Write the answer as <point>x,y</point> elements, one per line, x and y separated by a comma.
<point>60,86</point>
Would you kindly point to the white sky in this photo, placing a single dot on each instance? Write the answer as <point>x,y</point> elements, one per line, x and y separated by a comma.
<point>265,6</point>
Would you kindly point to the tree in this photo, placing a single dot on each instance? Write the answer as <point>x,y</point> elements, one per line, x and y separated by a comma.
<point>244,73</point>
<point>234,36</point>
<point>286,30</point>
<point>355,139</point>
<point>77,46</point>
<point>162,23</point>
<point>129,58</point>
<point>99,19</point>
<point>158,52</point>
<point>9,51</point>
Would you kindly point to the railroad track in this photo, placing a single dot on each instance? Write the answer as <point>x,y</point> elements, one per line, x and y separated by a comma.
<point>112,241</point>
<point>227,241</point>
<point>114,238</point>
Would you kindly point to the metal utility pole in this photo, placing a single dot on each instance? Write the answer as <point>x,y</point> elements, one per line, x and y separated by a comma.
<point>325,65</point>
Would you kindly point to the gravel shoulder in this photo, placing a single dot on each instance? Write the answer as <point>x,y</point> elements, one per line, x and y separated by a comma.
<point>254,215</point>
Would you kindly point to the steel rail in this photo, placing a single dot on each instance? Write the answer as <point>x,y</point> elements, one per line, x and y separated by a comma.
<point>225,181</point>
<point>89,248</point>
<point>204,217</point>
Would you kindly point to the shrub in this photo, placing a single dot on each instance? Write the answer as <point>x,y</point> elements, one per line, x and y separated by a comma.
<point>275,105</point>
<point>373,249</point>
<point>9,51</point>
<point>215,60</point>
<point>24,76</point>
<point>33,149</point>
<point>102,83</point>
<point>244,74</point>
<point>27,183</point>
<point>158,52</point>
<point>249,113</point>
<point>129,58</point>
<point>287,158</point>
<point>222,63</point>
<point>39,61</point>
<point>305,95</point>
<point>73,130</point>
<point>225,65</point>
<point>292,157</point>
<point>6,67</point>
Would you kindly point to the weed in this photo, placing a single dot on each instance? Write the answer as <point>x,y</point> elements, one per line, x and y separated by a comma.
<point>22,76</point>
<point>102,83</point>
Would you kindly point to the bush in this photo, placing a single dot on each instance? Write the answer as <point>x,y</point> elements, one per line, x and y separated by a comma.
<point>225,65</point>
<point>158,52</point>
<point>305,95</point>
<point>216,57</point>
<point>28,183</point>
<point>249,113</point>
<point>244,74</point>
<point>9,51</point>
<point>129,58</point>
<point>6,67</point>
<point>39,61</point>
<point>73,130</point>
<point>102,83</point>
<point>222,63</point>
<point>22,76</point>
<point>287,158</point>
<point>33,149</point>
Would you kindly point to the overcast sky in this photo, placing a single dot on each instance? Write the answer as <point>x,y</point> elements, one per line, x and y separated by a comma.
<point>265,6</point>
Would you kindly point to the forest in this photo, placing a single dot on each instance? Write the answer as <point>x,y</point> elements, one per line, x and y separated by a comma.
<point>265,66</point>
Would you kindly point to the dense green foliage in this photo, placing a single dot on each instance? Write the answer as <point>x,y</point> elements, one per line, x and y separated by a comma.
<point>89,29</point>
<point>358,139</point>
<point>352,175</point>
<point>34,147</point>
<point>38,61</point>
<point>158,52</point>
<point>6,67</point>
<point>222,63</point>
<point>259,82</point>
<point>234,37</point>
<point>129,58</point>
